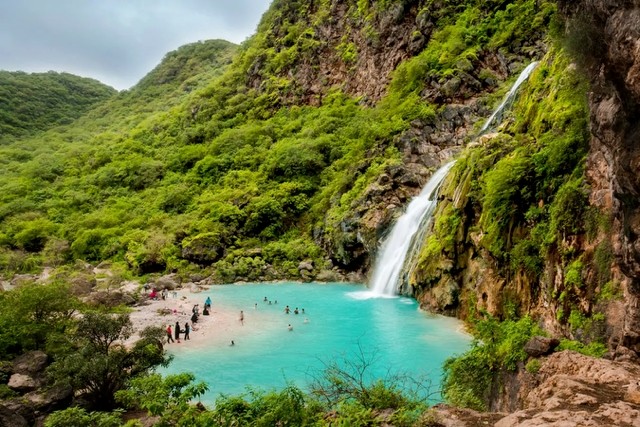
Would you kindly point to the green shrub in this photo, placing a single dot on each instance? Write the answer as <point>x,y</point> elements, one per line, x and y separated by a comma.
<point>573,275</point>
<point>610,291</point>
<point>80,417</point>
<point>498,345</point>
<point>533,366</point>
<point>594,349</point>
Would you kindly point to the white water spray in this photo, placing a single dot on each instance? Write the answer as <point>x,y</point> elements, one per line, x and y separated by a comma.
<point>394,250</point>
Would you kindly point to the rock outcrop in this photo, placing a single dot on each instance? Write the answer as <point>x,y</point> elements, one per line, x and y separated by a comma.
<point>607,39</point>
<point>569,390</point>
<point>37,397</point>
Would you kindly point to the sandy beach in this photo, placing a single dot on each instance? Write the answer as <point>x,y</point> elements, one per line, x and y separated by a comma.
<point>218,328</point>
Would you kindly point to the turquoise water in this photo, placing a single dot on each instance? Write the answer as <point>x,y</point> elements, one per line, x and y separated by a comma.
<point>391,333</point>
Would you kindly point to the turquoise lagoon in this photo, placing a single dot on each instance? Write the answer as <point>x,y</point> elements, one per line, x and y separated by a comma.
<point>342,323</point>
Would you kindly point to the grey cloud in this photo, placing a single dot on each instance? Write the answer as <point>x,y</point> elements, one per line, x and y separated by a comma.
<point>115,41</point>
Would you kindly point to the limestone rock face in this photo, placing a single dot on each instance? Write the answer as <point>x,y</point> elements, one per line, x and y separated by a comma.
<point>614,156</point>
<point>10,418</point>
<point>570,389</point>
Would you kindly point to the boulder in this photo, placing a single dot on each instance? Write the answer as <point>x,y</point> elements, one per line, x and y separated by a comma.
<point>197,277</point>
<point>10,418</point>
<point>305,265</point>
<point>356,277</point>
<point>540,346</point>
<point>20,279</point>
<point>170,281</point>
<point>53,399</point>
<point>22,383</point>
<point>30,363</point>
<point>329,276</point>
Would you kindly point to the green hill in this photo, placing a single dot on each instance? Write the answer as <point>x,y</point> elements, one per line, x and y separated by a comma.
<point>31,103</point>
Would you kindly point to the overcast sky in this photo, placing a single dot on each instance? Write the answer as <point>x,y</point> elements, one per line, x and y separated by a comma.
<point>115,41</point>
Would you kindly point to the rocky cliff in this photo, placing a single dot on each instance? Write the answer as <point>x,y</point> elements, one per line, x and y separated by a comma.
<point>569,389</point>
<point>607,38</point>
<point>532,237</point>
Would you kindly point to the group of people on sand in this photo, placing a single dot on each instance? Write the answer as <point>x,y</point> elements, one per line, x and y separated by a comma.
<point>195,311</point>
<point>177,331</point>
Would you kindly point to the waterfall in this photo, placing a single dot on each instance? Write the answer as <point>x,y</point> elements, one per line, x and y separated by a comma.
<point>405,237</point>
<point>395,248</point>
<point>509,97</point>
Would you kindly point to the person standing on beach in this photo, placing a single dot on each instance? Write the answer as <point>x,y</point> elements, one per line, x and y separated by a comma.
<point>187,329</point>
<point>177,331</point>
<point>169,334</point>
<point>241,317</point>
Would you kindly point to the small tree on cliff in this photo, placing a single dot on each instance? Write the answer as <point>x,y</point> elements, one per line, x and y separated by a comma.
<point>101,364</point>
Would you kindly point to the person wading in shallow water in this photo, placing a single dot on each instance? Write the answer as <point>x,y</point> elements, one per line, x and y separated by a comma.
<point>241,317</point>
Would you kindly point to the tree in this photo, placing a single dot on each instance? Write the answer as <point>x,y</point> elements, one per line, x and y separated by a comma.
<point>31,314</point>
<point>169,398</point>
<point>102,364</point>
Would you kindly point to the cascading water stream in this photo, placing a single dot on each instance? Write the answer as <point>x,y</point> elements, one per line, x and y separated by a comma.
<point>393,253</point>
<point>395,248</point>
<point>509,97</point>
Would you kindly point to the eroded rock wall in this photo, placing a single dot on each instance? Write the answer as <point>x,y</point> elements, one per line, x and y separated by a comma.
<point>613,165</point>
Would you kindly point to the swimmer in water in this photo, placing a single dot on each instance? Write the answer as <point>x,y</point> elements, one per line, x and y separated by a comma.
<point>290,327</point>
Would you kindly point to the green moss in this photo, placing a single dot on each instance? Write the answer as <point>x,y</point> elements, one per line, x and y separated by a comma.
<point>602,259</point>
<point>610,291</point>
<point>533,366</point>
<point>573,275</point>
<point>594,349</point>
<point>347,51</point>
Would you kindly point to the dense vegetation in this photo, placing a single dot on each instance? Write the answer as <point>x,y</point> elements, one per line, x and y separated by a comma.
<point>229,180</point>
<point>30,103</point>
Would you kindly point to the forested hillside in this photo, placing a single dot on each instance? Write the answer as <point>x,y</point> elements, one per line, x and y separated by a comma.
<point>31,103</point>
<point>262,168</point>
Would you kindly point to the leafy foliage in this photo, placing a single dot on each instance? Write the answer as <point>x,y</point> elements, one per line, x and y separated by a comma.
<point>80,417</point>
<point>497,345</point>
<point>99,364</point>
<point>33,315</point>
<point>169,397</point>
<point>206,162</point>
<point>30,103</point>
